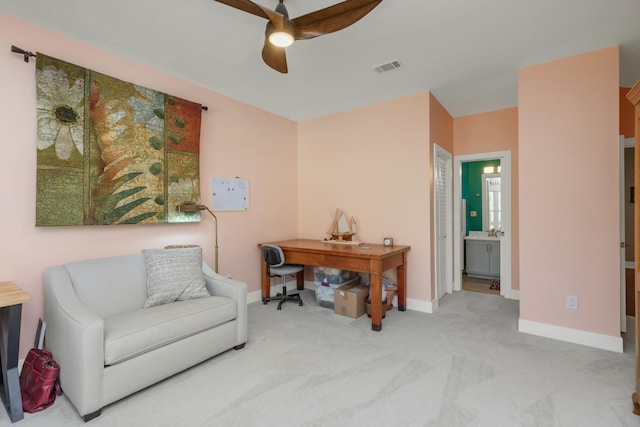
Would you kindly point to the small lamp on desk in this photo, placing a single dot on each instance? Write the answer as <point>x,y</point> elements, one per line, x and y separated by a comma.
<point>187,208</point>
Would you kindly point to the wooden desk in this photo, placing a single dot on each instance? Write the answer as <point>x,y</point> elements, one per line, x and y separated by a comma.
<point>11,299</point>
<point>364,258</point>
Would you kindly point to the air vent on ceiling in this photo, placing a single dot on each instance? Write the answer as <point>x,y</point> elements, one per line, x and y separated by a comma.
<point>389,66</point>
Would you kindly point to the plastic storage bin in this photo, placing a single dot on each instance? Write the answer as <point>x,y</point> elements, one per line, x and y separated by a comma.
<point>325,292</point>
<point>333,276</point>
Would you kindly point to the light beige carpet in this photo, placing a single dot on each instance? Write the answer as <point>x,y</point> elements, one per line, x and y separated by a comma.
<point>466,365</point>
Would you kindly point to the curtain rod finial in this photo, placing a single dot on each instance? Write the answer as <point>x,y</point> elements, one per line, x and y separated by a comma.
<point>26,53</point>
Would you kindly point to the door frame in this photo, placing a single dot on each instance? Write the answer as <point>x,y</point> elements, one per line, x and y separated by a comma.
<point>506,240</point>
<point>622,144</point>
<point>440,152</point>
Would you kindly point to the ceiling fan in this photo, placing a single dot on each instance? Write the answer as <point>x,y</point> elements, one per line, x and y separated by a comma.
<point>282,31</point>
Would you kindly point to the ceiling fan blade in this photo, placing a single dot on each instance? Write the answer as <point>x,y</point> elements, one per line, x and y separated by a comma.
<point>332,18</point>
<point>274,56</point>
<point>255,9</point>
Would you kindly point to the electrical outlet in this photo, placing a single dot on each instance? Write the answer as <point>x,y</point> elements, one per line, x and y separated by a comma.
<point>572,302</point>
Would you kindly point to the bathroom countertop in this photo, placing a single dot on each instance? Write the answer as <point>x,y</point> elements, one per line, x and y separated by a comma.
<point>481,235</point>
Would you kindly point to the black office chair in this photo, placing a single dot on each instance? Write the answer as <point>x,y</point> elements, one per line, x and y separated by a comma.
<point>274,258</point>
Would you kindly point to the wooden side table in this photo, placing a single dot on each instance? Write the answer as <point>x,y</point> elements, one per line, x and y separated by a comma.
<point>11,298</point>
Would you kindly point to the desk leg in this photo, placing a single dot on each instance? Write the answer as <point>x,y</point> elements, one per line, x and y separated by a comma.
<point>300,280</point>
<point>402,284</point>
<point>266,283</point>
<point>376,300</point>
<point>10,318</point>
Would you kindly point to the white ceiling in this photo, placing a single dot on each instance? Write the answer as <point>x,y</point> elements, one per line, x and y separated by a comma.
<point>466,52</point>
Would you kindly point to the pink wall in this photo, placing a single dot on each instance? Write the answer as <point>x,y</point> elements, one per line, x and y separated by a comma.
<point>441,125</point>
<point>374,163</point>
<point>627,114</point>
<point>489,132</point>
<point>236,140</point>
<point>569,215</point>
<point>440,133</point>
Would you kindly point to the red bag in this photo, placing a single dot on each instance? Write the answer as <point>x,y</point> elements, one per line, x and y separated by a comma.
<point>39,381</point>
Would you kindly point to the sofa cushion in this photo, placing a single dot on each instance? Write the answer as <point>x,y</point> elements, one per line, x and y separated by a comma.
<point>110,286</point>
<point>131,334</point>
<point>174,275</point>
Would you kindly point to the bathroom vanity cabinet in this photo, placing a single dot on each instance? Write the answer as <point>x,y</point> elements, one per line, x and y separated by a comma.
<point>483,258</point>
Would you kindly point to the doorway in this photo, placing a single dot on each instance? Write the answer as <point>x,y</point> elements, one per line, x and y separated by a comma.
<point>505,240</point>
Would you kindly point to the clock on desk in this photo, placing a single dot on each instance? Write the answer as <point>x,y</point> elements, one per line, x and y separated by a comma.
<point>387,241</point>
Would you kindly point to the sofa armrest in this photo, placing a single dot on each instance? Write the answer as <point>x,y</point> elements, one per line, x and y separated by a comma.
<point>75,337</point>
<point>223,286</point>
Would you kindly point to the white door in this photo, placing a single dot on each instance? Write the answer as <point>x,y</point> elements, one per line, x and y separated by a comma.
<point>442,221</point>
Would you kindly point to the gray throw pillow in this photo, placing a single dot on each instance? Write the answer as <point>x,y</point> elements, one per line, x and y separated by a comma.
<point>174,275</point>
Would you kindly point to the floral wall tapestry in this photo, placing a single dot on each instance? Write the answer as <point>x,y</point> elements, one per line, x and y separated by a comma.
<point>112,152</point>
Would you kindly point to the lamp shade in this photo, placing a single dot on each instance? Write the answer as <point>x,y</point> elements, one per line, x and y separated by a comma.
<point>191,208</point>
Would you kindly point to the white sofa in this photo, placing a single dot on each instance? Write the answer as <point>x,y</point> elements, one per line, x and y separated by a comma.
<point>108,346</point>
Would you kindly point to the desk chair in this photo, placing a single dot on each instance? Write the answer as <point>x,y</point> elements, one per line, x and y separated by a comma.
<point>274,258</point>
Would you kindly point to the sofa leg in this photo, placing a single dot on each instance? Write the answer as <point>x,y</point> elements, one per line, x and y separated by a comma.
<point>239,346</point>
<point>92,415</point>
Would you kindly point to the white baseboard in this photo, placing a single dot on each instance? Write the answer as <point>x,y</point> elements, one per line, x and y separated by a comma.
<point>575,336</point>
<point>254,296</point>
<point>513,294</point>
<point>420,305</point>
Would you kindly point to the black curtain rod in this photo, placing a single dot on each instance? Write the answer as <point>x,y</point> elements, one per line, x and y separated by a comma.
<point>28,54</point>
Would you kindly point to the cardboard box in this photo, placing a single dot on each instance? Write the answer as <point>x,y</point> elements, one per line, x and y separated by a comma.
<point>349,300</point>
<point>325,292</point>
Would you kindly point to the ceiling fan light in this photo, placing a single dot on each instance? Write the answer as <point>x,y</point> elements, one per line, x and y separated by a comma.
<point>281,38</point>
